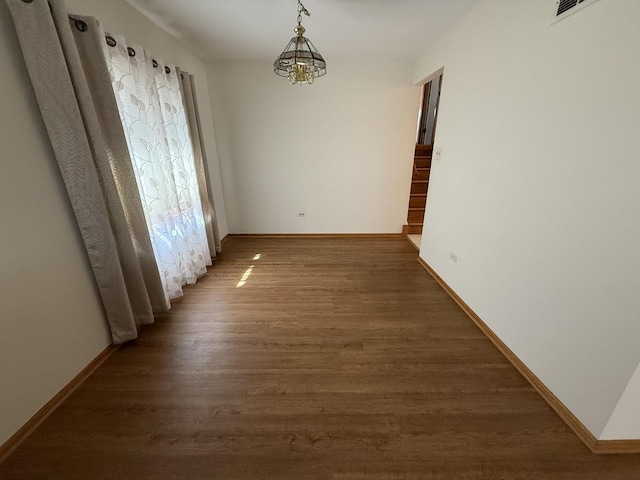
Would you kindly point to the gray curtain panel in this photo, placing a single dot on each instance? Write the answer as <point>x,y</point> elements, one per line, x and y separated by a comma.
<point>202,171</point>
<point>114,162</point>
<point>67,69</point>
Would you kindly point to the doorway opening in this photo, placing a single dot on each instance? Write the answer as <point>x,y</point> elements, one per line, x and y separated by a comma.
<point>428,115</point>
<point>427,122</point>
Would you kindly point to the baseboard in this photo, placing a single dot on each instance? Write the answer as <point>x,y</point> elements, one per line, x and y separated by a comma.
<point>616,446</point>
<point>224,240</point>
<point>17,438</point>
<point>595,445</point>
<point>314,235</point>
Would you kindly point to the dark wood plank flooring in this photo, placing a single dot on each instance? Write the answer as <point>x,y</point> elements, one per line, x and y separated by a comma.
<point>336,359</point>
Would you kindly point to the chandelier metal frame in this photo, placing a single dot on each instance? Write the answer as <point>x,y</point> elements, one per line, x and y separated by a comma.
<point>300,61</point>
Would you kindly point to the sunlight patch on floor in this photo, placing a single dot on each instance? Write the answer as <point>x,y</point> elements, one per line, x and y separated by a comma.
<point>247,272</point>
<point>245,276</point>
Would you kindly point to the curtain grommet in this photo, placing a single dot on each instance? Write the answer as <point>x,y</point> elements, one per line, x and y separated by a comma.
<point>167,70</point>
<point>27,1</point>
<point>82,26</point>
<point>131,52</point>
<point>111,41</point>
<point>155,64</point>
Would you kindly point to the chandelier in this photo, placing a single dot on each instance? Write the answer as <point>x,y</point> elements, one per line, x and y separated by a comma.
<point>300,62</point>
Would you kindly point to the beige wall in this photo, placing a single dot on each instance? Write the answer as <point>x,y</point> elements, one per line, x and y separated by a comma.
<point>52,323</point>
<point>537,192</point>
<point>340,150</point>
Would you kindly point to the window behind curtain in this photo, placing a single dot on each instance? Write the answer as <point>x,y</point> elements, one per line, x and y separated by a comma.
<point>150,102</point>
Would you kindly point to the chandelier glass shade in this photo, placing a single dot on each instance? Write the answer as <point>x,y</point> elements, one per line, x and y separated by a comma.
<point>300,61</point>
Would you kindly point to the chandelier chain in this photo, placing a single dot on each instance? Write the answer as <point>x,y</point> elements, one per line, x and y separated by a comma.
<point>302,9</point>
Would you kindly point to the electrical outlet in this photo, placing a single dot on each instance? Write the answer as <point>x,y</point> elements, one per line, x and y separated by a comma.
<point>453,257</point>
<point>301,214</point>
<point>437,153</point>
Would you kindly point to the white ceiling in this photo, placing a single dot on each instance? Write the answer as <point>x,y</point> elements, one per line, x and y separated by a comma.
<point>340,29</point>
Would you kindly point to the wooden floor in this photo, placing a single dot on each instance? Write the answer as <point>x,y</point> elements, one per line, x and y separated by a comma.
<point>335,359</point>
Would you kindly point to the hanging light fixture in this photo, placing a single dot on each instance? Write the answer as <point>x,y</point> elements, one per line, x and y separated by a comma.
<point>300,62</point>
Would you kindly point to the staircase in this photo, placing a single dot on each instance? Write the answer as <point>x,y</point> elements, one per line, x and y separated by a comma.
<point>419,186</point>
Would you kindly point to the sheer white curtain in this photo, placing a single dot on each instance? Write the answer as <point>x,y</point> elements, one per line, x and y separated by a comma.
<point>152,112</point>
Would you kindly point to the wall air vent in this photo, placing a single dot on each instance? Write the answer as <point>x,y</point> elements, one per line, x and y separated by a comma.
<point>565,5</point>
<point>564,8</point>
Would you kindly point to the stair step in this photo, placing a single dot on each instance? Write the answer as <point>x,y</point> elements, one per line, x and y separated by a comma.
<point>415,217</point>
<point>419,187</point>
<point>412,229</point>
<point>423,149</point>
<point>422,162</point>
<point>418,202</point>
<point>421,174</point>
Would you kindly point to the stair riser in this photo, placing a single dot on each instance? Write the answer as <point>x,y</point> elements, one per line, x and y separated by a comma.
<point>417,202</point>
<point>422,162</point>
<point>415,216</point>
<point>423,149</point>
<point>421,175</point>
<point>419,188</point>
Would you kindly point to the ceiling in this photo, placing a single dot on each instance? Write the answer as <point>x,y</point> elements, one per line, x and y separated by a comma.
<point>340,29</point>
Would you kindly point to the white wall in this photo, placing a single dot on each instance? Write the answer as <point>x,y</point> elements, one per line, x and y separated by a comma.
<point>624,423</point>
<point>52,320</point>
<point>537,193</point>
<point>52,323</point>
<point>340,150</point>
